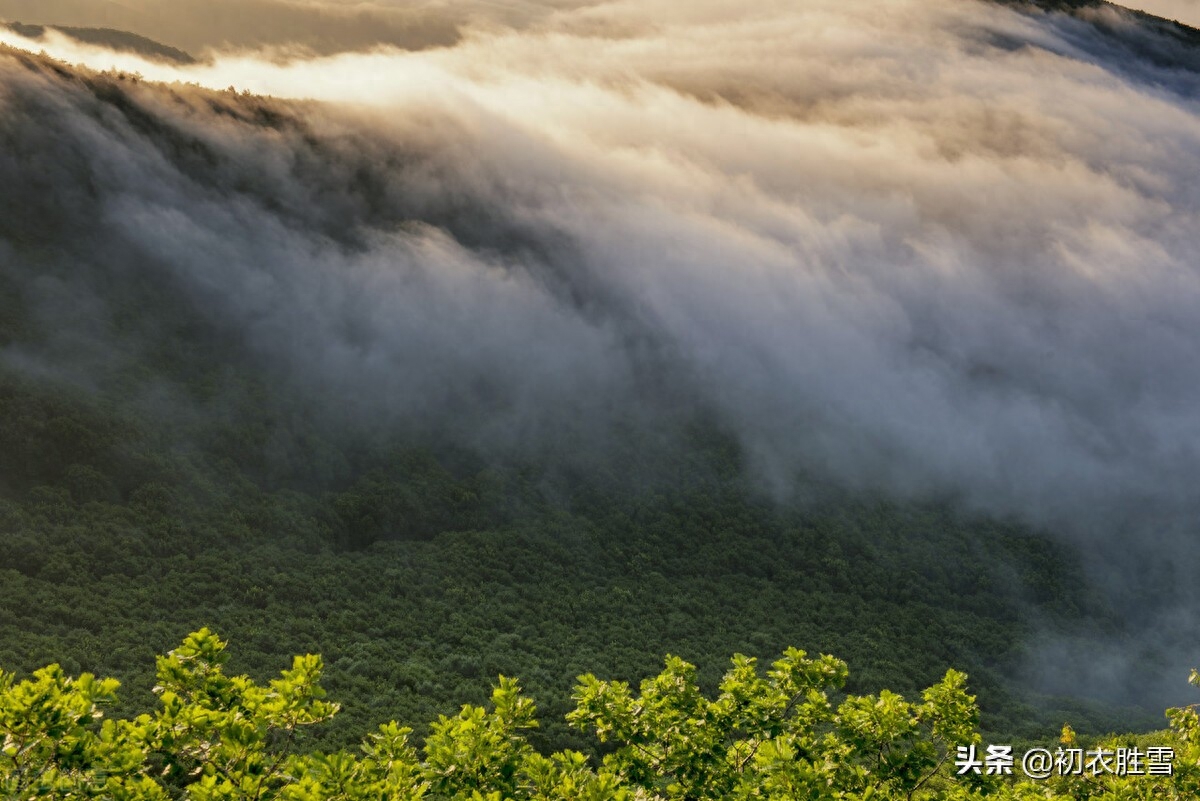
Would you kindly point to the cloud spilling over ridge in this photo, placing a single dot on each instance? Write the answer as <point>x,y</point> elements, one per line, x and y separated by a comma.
<point>926,248</point>
<point>937,245</point>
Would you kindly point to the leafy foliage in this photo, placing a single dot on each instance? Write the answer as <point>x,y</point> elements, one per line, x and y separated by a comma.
<point>776,737</point>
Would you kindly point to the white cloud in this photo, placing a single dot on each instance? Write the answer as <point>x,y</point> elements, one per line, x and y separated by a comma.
<point>928,248</point>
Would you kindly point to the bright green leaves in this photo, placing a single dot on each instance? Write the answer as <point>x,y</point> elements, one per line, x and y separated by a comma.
<point>483,756</point>
<point>776,736</point>
<point>950,712</point>
<point>903,747</point>
<point>52,744</point>
<point>1185,723</point>
<point>388,769</point>
<point>213,736</point>
<point>565,776</point>
<point>1185,720</point>
<point>295,699</point>
<point>216,737</point>
<point>673,741</point>
<point>772,737</point>
<point>227,737</point>
<point>480,751</point>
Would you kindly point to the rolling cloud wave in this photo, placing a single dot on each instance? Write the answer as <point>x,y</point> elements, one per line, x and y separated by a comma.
<point>921,248</point>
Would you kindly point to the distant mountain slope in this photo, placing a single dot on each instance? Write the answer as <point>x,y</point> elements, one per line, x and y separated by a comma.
<point>122,41</point>
<point>1184,11</point>
<point>1135,44</point>
<point>320,27</point>
<point>1173,29</point>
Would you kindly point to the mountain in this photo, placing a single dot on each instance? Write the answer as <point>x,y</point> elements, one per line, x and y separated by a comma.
<point>121,41</point>
<point>196,26</point>
<point>1129,35</point>
<point>448,371</point>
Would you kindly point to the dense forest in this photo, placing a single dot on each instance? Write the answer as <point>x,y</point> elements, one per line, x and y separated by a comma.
<point>349,382</point>
<point>420,580</point>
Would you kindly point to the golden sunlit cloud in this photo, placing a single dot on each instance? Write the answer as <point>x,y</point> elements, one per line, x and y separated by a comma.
<point>840,157</point>
<point>926,228</point>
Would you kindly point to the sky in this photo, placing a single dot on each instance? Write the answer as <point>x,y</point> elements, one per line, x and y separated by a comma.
<point>1185,11</point>
<point>328,26</point>
<point>927,248</point>
<point>321,26</point>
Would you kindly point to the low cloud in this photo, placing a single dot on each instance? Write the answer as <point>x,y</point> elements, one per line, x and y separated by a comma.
<point>931,249</point>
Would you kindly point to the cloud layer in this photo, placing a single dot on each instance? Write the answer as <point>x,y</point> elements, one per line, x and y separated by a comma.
<point>932,249</point>
<point>936,246</point>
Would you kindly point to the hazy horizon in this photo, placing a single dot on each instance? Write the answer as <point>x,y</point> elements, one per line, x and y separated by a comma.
<point>324,27</point>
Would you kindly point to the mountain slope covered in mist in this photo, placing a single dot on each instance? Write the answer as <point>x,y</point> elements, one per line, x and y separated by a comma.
<point>120,41</point>
<point>577,343</point>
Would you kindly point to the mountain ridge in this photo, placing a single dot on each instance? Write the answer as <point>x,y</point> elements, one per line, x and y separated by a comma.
<point>111,38</point>
<point>129,39</point>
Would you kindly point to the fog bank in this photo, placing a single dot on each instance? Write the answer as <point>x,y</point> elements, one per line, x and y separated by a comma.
<point>934,249</point>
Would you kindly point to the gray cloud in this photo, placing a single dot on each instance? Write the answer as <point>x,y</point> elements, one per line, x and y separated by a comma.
<point>931,249</point>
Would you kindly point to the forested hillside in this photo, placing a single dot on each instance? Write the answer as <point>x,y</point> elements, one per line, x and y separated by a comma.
<point>446,372</point>
<point>420,581</point>
<point>120,41</point>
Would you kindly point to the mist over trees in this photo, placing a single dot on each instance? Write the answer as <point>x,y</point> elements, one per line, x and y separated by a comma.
<point>585,334</point>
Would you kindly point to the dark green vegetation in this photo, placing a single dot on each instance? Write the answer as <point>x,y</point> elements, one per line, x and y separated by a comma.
<point>786,735</point>
<point>420,583</point>
<point>155,479</point>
